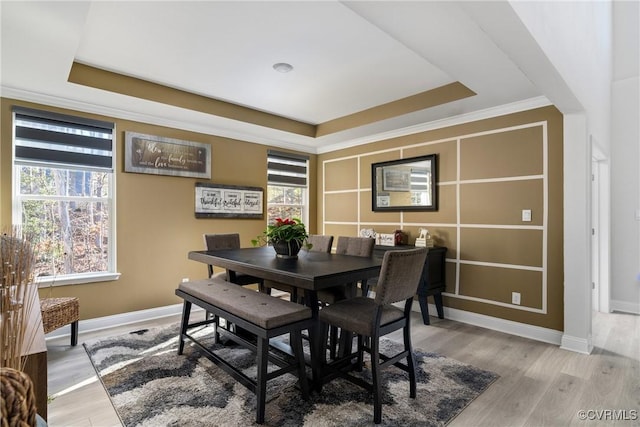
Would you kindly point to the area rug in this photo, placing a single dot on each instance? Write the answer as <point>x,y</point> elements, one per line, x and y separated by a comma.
<point>150,385</point>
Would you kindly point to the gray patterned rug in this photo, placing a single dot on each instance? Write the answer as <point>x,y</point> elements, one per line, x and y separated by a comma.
<point>150,385</point>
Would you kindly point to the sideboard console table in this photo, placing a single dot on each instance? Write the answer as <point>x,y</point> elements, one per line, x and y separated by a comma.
<point>433,277</point>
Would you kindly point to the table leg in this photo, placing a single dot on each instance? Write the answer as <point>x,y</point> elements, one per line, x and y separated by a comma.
<point>316,347</point>
<point>437,298</point>
<point>424,309</point>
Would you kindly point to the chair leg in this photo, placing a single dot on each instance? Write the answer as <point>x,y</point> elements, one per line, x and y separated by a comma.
<point>262,288</point>
<point>333,341</point>
<point>74,333</point>
<point>411,361</point>
<point>365,288</point>
<point>261,383</point>
<point>360,360</point>
<point>345,343</point>
<point>186,311</point>
<point>377,385</point>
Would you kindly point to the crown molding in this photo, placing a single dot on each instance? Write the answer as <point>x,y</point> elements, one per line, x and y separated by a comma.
<point>514,107</point>
<point>259,135</point>
<point>216,127</point>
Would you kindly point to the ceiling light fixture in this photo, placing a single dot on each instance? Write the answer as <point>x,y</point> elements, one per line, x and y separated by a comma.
<point>282,67</point>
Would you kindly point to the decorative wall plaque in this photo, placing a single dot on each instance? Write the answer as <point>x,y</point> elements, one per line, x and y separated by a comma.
<point>228,201</point>
<point>166,156</point>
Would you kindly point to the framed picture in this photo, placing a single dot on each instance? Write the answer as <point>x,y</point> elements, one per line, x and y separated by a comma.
<point>166,156</point>
<point>396,179</point>
<point>228,201</point>
<point>405,184</point>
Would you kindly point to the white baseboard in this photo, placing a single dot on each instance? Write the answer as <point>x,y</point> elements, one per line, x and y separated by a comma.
<point>508,326</point>
<point>625,306</point>
<point>119,320</point>
<point>514,328</point>
<point>579,345</point>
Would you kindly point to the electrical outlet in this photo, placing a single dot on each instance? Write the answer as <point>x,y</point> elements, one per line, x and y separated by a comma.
<point>185,279</point>
<point>526,215</point>
<point>515,298</point>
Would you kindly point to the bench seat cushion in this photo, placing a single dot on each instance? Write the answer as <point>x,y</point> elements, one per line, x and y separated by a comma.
<point>260,309</point>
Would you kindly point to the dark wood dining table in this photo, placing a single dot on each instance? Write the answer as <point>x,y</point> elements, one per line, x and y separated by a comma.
<point>310,272</point>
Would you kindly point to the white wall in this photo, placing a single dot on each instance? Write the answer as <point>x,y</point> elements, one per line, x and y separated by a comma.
<point>576,36</point>
<point>625,160</point>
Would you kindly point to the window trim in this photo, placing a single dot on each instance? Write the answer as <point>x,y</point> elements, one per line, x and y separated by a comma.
<point>290,182</point>
<point>45,282</point>
<point>78,278</point>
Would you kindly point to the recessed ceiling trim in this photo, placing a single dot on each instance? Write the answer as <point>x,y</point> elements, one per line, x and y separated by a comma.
<point>98,78</point>
<point>487,113</point>
<point>430,98</point>
<point>87,75</point>
<point>216,130</point>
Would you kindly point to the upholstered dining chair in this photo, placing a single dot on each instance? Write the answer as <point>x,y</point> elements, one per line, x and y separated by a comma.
<point>221,241</point>
<point>373,318</point>
<point>353,246</point>
<point>319,243</point>
<point>216,242</point>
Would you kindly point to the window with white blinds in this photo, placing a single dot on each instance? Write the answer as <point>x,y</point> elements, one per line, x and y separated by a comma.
<point>287,195</point>
<point>64,194</point>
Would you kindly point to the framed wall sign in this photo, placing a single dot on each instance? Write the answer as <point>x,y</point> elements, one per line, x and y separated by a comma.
<point>166,156</point>
<point>228,201</point>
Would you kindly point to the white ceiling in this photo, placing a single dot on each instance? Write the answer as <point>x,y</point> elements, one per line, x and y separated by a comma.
<point>347,57</point>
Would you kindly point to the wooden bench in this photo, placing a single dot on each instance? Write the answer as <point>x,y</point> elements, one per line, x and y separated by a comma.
<point>261,315</point>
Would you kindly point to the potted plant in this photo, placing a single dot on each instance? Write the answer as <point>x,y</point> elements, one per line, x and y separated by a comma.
<point>287,236</point>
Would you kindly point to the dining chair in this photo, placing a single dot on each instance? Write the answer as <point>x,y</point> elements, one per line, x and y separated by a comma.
<point>373,318</point>
<point>353,246</point>
<point>319,243</point>
<point>216,242</point>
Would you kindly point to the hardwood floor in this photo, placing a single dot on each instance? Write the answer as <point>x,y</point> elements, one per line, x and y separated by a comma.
<point>539,384</point>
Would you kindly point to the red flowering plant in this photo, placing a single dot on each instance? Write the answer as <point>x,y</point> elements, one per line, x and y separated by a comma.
<point>284,230</point>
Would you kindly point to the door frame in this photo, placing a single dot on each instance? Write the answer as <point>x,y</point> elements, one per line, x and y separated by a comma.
<point>601,229</point>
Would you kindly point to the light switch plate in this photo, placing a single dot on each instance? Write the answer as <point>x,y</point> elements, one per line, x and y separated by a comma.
<point>526,215</point>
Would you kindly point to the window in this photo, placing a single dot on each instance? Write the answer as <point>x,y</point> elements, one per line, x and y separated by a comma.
<point>63,194</point>
<point>287,195</point>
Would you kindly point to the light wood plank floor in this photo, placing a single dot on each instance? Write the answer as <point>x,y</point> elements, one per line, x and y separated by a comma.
<point>539,384</point>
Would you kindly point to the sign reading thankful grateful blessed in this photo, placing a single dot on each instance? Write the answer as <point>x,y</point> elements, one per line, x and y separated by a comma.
<point>228,201</point>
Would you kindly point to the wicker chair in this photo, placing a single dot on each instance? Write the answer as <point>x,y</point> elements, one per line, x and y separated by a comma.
<point>58,312</point>
<point>18,402</point>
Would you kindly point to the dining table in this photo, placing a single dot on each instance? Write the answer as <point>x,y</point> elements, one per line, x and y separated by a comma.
<point>309,273</point>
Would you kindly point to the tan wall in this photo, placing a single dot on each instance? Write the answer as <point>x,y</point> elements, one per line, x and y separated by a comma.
<point>491,251</point>
<point>156,226</point>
